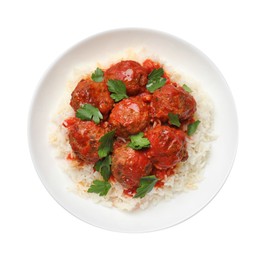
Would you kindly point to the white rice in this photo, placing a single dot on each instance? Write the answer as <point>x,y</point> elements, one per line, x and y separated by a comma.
<point>188,174</point>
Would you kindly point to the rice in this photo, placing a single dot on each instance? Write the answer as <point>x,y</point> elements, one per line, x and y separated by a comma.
<point>187,175</point>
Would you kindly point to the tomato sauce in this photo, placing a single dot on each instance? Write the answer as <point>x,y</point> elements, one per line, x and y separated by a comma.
<point>70,121</point>
<point>140,110</point>
<point>129,192</point>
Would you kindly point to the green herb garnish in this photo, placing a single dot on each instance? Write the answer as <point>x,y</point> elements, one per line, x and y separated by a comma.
<point>147,183</point>
<point>191,129</point>
<point>118,89</point>
<point>103,166</point>
<point>174,119</point>
<point>98,75</point>
<point>138,141</point>
<point>106,144</point>
<point>99,187</point>
<point>156,73</point>
<point>155,80</point>
<point>88,112</point>
<point>186,88</point>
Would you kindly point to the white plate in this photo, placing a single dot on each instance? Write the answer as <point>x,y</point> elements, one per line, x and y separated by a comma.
<point>180,55</point>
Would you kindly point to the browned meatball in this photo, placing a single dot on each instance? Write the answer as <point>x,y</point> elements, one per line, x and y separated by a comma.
<point>130,116</point>
<point>94,93</point>
<point>171,99</point>
<point>167,146</point>
<point>129,165</point>
<point>84,140</point>
<point>131,73</point>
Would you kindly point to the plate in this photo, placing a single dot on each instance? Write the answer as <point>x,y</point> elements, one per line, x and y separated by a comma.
<point>179,54</point>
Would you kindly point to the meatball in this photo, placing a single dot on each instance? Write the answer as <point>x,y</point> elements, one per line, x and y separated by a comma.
<point>130,116</point>
<point>129,165</point>
<point>84,140</point>
<point>171,99</point>
<point>131,73</point>
<point>167,146</point>
<point>94,93</point>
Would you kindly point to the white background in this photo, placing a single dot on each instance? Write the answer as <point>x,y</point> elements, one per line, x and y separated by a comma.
<point>231,33</point>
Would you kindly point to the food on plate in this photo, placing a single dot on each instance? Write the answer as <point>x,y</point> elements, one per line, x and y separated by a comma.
<point>129,166</point>
<point>172,99</point>
<point>167,146</point>
<point>84,139</point>
<point>132,132</point>
<point>130,116</point>
<point>90,92</point>
<point>133,75</point>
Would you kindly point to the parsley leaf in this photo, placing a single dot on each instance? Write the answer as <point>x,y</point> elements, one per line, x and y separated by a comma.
<point>118,88</point>
<point>174,119</point>
<point>155,80</point>
<point>191,129</point>
<point>153,85</point>
<point>138,141</point>
<point>147,183</point>
<point>106,144</point>
<point>103,166</point>
<point>156,73</point>
<point>100,187</point>
<point>88,112</point>
<point>98,75</point>
<point>186,88</point>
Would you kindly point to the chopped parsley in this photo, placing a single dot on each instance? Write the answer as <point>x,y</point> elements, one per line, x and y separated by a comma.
<point>174,119</point>
<point>155,80</point>
<point>147,183</point>
<point>138,141</point>
<point>88,112</point>
<point>98,75</point>
<point>186,88</point>
<point>118,89</point>
<point>103,166</point>
<point>191,129</point>
<point>99,187</point>
<point>106,144</point>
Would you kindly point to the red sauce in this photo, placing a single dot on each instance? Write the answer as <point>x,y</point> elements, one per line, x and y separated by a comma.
<point>70,121</point>
<point>146,97</point>
<point>70,157</point>
<point>129,192</point>
<point>162,173</point>
<point>112,179</point>
<point>159,184</point>
<point>73,158</point>
<point>151,65</point>
<point>141,112</point>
